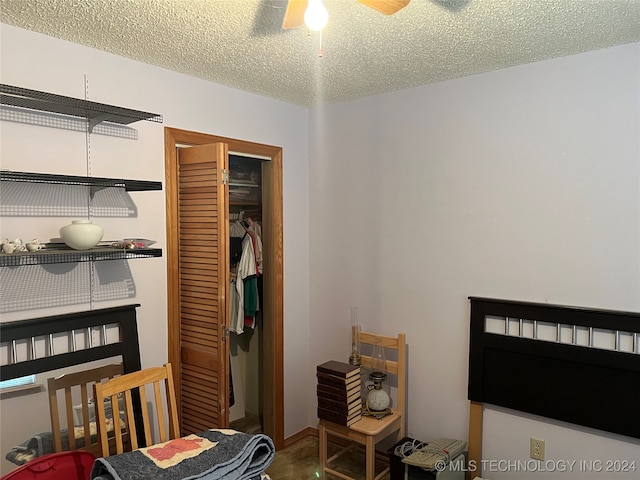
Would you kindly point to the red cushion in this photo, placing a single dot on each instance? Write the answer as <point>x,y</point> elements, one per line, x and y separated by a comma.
<point>74,465</point>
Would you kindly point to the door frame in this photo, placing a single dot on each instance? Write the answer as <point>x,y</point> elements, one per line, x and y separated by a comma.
<point>273,294</point>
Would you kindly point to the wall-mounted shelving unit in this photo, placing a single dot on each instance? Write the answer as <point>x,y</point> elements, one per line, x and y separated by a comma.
<point>96,182</point>
<point>94,112</point>
<point>67,255</point>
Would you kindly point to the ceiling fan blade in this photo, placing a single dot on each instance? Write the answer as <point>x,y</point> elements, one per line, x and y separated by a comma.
<point>388,7</point>
<point>294,15</point>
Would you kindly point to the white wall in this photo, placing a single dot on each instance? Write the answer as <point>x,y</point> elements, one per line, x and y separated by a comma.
<point>43,63</point>
<point>520,184</point>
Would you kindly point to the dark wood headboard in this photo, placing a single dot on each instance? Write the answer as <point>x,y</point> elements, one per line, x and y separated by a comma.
<point>27,331</point>
<point>567,376</point>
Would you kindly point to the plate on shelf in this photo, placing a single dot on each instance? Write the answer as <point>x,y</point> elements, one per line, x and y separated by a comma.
<point>140,242</point>
<point>132,243</point>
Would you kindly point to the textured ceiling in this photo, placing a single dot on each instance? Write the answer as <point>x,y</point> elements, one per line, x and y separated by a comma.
<point>240,43</point>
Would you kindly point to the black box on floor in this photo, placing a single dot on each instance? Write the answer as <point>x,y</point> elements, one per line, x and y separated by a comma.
<point>397,468</point>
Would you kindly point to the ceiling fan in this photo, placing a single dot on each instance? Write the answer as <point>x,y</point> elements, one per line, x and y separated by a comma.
<point>295,13</point>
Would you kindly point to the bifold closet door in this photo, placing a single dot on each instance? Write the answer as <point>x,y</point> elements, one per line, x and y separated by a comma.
<point>203,284</point>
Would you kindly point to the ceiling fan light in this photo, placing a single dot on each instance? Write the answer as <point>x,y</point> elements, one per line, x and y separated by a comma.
<point>316,15</point>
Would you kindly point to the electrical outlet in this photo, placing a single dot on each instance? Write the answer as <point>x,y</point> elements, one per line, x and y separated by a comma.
<point>536,448</point>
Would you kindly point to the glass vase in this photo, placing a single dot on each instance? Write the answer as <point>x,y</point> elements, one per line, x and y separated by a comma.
<point>354,358</point>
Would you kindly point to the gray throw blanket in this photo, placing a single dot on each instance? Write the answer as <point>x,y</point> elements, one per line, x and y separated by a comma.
<point>209,455</point>
<point>38,445</point>
<point>33,447</point>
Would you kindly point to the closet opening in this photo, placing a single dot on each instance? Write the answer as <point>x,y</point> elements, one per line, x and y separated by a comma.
<point>224,379</point>
<point>246,280</point>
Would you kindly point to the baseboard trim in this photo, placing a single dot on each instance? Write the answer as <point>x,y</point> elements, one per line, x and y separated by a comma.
<point>307,432</point>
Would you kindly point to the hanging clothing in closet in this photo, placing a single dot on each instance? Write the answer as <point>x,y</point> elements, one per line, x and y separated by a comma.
<point>244,295</point>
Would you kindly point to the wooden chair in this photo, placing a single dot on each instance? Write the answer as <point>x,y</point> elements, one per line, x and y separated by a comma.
<point>132,387</point>
<point>72,384</point>
<point>369,431</point>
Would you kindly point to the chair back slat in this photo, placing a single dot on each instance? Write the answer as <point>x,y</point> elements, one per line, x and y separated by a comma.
<point>86,417</point>
<point>145,411</point>
<point>161,425</point>
<point>55,418</point>
<point>68,402</point>
<point>174,424</point>
<point>117,424</point>
<point>372,339</point>
<point>391,366</point>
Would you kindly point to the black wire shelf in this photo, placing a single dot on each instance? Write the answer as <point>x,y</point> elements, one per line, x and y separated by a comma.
<point>98,182</point>
<point>94,112</point>
<point>68,255</point>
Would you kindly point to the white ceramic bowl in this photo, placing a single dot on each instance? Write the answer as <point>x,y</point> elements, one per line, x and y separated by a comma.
<point>81,234</point>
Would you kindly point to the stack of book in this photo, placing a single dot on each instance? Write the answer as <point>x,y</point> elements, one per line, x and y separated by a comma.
<point>339,392</point>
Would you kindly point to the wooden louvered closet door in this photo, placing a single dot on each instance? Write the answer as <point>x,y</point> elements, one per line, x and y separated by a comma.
<point>203,272</point>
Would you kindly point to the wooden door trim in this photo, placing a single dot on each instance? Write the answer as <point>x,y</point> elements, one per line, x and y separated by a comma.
<point>273,261</point>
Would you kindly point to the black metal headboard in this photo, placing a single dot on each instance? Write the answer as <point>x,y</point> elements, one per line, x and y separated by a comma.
<point>27,331</point>
<point>565,376</point>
